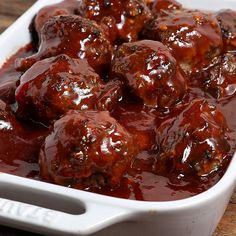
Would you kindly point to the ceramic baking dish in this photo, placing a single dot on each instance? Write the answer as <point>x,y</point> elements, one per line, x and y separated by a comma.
<point>56,210</point>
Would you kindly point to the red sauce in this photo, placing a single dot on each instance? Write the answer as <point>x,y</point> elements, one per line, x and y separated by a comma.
<point>140,182</point>
<point>144,185</point>
<point>9,76</point>
<point>22,159</point>
<point>148,186</point>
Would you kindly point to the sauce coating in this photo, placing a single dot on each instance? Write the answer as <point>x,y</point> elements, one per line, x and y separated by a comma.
<point>55,85</point>
<point>91,150</point>
<point>74,36</point>
<point>150,72</point>
<point>192,36</point>
<point>136,140</point>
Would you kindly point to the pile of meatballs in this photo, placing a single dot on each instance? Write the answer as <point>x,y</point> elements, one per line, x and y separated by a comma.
<point>91,55</point>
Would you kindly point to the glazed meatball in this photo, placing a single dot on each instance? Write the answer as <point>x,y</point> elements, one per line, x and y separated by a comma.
<point>227,21</point>
<point>66,7</point>
<point>55,85</point>
<point>194,142</point>
<point>121,19</point>
<point>193,37</point>
<point>74,36</point>
<point>220,79</point>
<point>86,149</point>
<point>160,7</point>
<point>150,72</point>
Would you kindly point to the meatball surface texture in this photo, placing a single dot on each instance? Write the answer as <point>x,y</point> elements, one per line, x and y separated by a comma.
<point>220,79</point>
<point>194,142</point>
<point>55,85</point>
<point>66,7</point>
<point>121,19</point>
<point>86,149</point>
<point>74,36</point>
<point>150,72</point>
<point>194,37</point>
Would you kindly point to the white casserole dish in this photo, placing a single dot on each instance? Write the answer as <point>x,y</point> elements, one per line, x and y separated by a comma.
<point>51,209</point>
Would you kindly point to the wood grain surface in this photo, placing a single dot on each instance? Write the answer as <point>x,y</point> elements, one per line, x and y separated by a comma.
<point>10,10</point>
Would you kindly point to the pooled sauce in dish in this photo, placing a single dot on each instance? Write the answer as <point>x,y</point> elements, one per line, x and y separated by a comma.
<point>122,98</point>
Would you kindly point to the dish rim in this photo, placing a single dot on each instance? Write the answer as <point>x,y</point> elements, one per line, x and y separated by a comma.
<point>227,181</point>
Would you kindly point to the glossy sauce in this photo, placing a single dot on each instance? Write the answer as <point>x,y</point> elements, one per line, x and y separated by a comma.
<point>22,159</point>
<point>140,182</point>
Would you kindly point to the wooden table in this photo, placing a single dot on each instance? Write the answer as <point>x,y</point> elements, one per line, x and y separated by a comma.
<point>9,11</point>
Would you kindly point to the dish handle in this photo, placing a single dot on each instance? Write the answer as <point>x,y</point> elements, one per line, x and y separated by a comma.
<point>43,220</point>
<point>49,209</point>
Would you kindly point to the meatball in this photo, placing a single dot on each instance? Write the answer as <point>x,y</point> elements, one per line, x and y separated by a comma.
<point>195,142</point>
<point>121,19</point>
<point>193,37</point>
<point>74,36</point>
<point>66,7</point>
<point>160,7</point>
<point>55,85</point>
<point>150,72</point>
<point>86,149</point>
<point>227,21</point>
<point>220,79</point>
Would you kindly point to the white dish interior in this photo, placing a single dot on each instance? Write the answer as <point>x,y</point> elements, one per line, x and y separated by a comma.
<point>196,215</point>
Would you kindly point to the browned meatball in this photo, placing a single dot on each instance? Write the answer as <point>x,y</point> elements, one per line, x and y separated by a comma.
<point>55,85</point>
<point>160,7</point>
<point>66,7</point>
<point>195,142</point>
<point>193,37</point>
<point>86,149</point>
<point>220,79</point>
<point>227,21</point>
<point>121,19</point>
<point>74,36</point>
<point>151,73</point>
